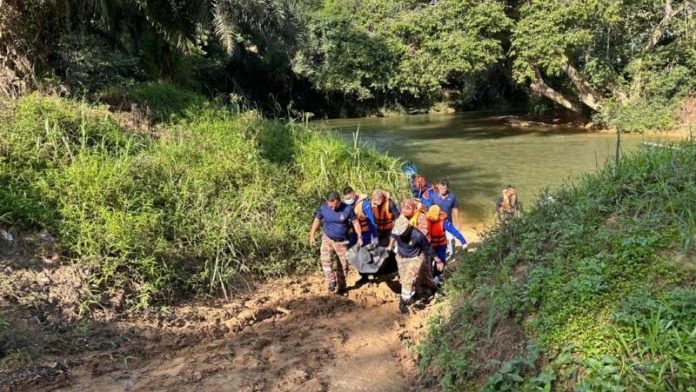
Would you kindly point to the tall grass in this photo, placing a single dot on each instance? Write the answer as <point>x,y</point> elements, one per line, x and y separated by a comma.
<point>599,277</point>
<point>214,195</point>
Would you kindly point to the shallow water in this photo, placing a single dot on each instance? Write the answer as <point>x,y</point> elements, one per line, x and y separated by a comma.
<point>480,154</point>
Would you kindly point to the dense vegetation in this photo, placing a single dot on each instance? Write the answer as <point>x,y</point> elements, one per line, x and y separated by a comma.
<point>593,289</point>
<point>184,205</point>
<point>627,64</point>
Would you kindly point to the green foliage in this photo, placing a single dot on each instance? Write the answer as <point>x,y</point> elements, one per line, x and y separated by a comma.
<point>634,60</point>
<point>510,375</point>
<point>606,289</point>
<point>401,48</point>
<point>161,102</point>
<point>643,116</point>
<point>211,196</point>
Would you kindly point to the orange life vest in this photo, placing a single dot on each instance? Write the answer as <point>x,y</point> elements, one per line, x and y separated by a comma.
<point>436,231</point>
<point>362,220</point>
<point>384,219</point>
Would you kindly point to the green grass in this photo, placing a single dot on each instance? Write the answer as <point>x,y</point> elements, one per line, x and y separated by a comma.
<point>214,194</point>
<point>600,283</point>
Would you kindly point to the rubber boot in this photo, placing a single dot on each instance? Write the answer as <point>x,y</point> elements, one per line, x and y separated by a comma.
<point>403,305</point>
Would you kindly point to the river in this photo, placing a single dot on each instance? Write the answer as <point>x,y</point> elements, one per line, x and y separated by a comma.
<point>480,154</point>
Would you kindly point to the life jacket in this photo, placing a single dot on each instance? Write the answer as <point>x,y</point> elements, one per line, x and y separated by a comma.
<point>509,202</point>
<point>384,219</point>
<point>436,231</point>
<point>362,219</point>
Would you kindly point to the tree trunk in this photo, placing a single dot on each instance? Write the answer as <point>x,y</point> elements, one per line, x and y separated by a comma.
<point>669,13</point>
<point>539,86</point>
<point>588,95</point>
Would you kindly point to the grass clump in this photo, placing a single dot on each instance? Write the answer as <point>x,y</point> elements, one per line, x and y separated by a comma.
<point>213,195</point>
<point>159,102</point>
<point>592,290</point>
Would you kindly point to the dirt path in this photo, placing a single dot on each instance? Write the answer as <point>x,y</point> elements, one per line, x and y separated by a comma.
<point>290,335</point>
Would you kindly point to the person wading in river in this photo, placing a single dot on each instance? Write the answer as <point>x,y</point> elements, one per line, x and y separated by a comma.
<point>507,205</point>
<point>336,219</point>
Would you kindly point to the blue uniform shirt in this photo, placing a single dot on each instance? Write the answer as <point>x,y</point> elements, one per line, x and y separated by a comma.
<point>446,203</point>
<point>416,245</point>
<point>336,222</point>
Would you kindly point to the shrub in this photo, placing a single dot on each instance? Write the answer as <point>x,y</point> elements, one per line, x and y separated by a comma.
<point>600,279</point>
<point>213,195</point>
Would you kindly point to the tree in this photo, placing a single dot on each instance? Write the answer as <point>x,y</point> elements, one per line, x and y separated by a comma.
<point>596,51</point>
<point>402,49</point>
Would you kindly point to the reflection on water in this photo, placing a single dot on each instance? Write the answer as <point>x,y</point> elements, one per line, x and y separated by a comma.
<point>480,154</point>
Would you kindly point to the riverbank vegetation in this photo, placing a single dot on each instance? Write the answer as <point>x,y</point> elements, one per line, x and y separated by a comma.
<point>592,289</point>
<point>181,195</point>
<point>626,65</point>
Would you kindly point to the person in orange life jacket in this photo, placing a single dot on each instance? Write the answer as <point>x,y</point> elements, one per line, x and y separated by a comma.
<point>411,259</point>
<point>350,198</point>
<point>336,218</point>
<point>447,201</point>
<point>376,216</point>
<point>419,186</point>
<point>438,226</point>
<point>414,211</point>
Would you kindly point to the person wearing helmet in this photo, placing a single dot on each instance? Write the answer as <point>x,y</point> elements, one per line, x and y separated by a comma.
<point>411,258</point>
<point>438,227</point>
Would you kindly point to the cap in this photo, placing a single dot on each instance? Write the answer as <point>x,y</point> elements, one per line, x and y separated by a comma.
<point>400,226</point>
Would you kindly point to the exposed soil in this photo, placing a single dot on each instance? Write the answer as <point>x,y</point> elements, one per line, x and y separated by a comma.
<point>290,334</point>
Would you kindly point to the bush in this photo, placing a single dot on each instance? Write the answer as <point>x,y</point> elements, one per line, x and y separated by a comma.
<point>599,276</point>
<point>642,116</point>
<point>215,194</point>
<point>160,102</point>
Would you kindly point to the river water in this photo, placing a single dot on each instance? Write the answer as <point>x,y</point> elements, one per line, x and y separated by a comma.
<point>480,154</point>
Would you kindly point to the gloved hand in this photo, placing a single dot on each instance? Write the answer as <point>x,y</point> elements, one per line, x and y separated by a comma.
<point>372,245</point>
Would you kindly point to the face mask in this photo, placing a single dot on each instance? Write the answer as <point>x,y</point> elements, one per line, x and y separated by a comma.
<point>349,202</point>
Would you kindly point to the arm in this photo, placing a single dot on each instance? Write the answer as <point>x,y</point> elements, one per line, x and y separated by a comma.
<point>394,209</point>
<point>455,212</point>
<point>390,247</point>
<point>356,227</point>
<point>312,232</point>
<point>425,247</point>
<point>367,213</point>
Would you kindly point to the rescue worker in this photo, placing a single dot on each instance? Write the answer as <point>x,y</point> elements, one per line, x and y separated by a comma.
<point>507,204</point>
<point>376,217</point>
<point>335,217</point>
<point>411,259</point>
<point>448,203</point>
<point>415,211</point>
<point>419,186</point>
<point>438,227</point>
<point>350,198</point>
